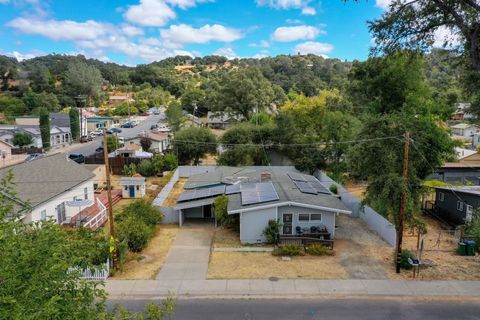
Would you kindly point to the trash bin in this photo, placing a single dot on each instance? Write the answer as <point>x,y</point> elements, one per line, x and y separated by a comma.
<point>470,247</point>
<point>462,249</point>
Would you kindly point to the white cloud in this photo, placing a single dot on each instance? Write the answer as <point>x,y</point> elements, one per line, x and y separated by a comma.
<point>131,31</point>
<point>288,34</point>
<point>444,35</point>
<point>226,52</point>
<point>185,4</point>
<point>152,13</point>
<point>294,21</point>
<point>383,4</point>
<point>63,29</point>
<point>261,44</point>
<point>309,11</point>
<point>24,56</point>
<point>311,47</point>
<point>177,35</point>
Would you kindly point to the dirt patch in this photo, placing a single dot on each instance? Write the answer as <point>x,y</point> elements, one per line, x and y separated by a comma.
<point>209,160</point>
<point>119,206</point>
<point>146,264</point>
<point>356,188</point>
<point>174,193</point>
<point>262,265</point>
<point>226,238</point>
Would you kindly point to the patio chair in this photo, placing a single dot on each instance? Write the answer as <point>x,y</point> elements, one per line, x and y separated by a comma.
<point>299,230</point>
<point>313,229</point>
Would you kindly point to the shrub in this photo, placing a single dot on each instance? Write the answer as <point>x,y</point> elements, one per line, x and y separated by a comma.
<point>170,162</point>
<point>289,250</point>
<point>319,250</point>
<point>135,232</point>
<point>333,188</point>
<point>404,264</point>
<point>272,231</point>
<point>130,170</point>
<point>220,210</point>
<point>145,168</point>
<point>142,210</point>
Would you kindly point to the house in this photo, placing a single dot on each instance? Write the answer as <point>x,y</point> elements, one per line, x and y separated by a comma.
<point>95,123</point>
<point>465,130</point>
<point>456,204</point>
<point>131,150</point>
<point>5,151</point>
<point>47,184</point>
<point>222,119</point>
<point>258,195</point>
<point>112,100</point>
<point>133,187</point>
<point>191,120</point>
<point>461,112</point>
<point>458,173</point>
<point>160,141</point>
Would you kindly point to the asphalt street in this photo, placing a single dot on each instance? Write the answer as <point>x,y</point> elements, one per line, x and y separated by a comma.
<point>89,148</point>
<point>358,309</point>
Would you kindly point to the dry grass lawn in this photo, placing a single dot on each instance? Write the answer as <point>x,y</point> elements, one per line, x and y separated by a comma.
<point>146,264</point>
<point>263,265</point>
<point>225,237</point>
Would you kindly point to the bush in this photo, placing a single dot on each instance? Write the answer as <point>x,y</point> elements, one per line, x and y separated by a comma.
<point>289,250</point>
<point>135,232</point>
<point>141,210</point>
<point>271,231</point>
<point>404,264</point>
<point>220,210</point>
<point>319,250</point>
<point>130,170</point>
<point>145,168</point>
<point>333,188</point>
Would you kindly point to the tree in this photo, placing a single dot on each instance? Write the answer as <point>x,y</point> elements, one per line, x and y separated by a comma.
<point>112,143</point>
<point>193,143</point>
<point>146,143</point>
<point>12,106</point>
<point>40,77</point>
<point>74,115</point>
<point>22,139</point>
<point>34,101</point>
<point>194,101</point>
<point>83,79</point>
<point>174,116</point>
<point>45,127</point>
<point>125,109</point>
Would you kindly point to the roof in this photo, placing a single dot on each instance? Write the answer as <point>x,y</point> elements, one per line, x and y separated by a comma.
<point>475,190</point>
<point>223,117</point>
<point>161,136</point>
<point>7,144</point>
<point>463,126</point>
<point>460,165</point>
<point>40,180</point>
<point>129,181</point>
<point>464,153</point>
<point>287,191</point>
<point>130,147</point>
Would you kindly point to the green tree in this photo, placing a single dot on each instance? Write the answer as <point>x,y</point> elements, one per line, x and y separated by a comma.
<point>174,116</point>
<point>194,101</point>
<point>112,143</point>
<point>40,77</point>
<point>83,79</point>
<point>193,143</point>
<point>22,139</point>
<point>146,143</point>
<point>45,127</point>
<point>34,101</point>
<point>12,106</point>
<point>74,116</point>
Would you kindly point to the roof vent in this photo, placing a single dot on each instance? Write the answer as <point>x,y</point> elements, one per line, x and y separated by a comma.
<point>265,176</point>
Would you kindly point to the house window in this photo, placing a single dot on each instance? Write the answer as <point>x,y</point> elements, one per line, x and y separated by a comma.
<point>126,188</point>
<point>61,214</point>
<point>138,188</point>
<point>304,217</point>
<point>43,215</point>
<point>469,209</point>
<point>460,205</point>
<point>316,217</point>
<point>85,193</point>
<point>441,196</point>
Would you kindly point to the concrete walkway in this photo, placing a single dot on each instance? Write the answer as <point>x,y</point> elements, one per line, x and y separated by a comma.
<point>189,255</point>
<point>119,289</point>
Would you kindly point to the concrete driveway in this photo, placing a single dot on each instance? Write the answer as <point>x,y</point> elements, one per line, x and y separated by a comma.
<point>189,255</point>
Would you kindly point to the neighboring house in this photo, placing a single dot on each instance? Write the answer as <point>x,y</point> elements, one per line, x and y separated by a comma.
<point>98,170</point>
<point>131,150</point>
<point>191,120</point>
<point>258,195</point>
<point>5,151</point>
<point>47,184</point>
<point>59,136</point>
<point>133,187</point>
<point>160,141</point>
<point>465,130</point>
<point>223,119</point>
<point>456,204</point>
<point>461,112</point>
<point>458,173</point>
<point>119,99</point>
<point>467,155</point>
<point>95,123</point>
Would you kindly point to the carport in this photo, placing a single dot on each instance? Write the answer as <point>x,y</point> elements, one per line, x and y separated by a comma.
<point>195,211</point>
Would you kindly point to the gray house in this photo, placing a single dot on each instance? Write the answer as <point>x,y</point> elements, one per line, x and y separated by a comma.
<point>261,194</point>
<point>458,173</point>
<point>456,204</point>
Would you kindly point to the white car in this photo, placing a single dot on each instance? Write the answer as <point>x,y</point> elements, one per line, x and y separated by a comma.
<point>97,132</point>
<point>121,140</point>
<point>163,128</point>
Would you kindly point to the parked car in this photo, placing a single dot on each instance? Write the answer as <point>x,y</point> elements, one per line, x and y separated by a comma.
<point>153,126</point>
<point>78,158</point>
<point>99,149</point>
<point>144,114</point>
<point>109,131</point>
<point>116,130</point>
<point>121,140</point>
<point>33,156</point>
<point>163,128</point>
<point>128,125</point>
<point>85,139</point>
<point>97,132</point>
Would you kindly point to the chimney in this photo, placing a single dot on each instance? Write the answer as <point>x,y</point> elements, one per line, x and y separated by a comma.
<point>265,176</point>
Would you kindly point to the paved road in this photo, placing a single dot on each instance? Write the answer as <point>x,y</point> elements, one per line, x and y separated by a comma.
<point>89,148</point>
<point>316,309</point>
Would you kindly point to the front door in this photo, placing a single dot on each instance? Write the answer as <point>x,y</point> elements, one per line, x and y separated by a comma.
<point>287,223</point>
<point>207,211</point>
<point>132,191</point>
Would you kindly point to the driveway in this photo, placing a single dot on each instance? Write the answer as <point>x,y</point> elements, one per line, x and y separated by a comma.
<point>189,255</point>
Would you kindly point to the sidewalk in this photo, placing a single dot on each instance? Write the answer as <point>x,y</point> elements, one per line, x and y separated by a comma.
<point>119,289</point>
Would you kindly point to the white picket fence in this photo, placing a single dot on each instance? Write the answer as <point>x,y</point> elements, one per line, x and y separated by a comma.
<point>98,273</point>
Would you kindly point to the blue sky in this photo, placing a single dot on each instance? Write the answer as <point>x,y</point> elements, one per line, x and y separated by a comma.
<point>141,31</point>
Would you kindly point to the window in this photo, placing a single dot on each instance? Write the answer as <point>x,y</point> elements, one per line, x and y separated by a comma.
<point>138,188</point>
<point>304,217</point>
<point>469,209</point>
<point>316,217</point>
<point>126,188</point>
<point>85,193</point>
<point>460,205</point>
<point>441,196</point>
<point>61,214</point>
<point>43,215</point>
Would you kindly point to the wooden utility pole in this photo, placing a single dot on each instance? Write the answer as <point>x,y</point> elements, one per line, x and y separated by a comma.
<point>401,214</point>
<point>109,194</point>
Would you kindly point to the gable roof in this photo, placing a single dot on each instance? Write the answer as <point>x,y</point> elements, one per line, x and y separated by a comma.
<point>40,180</point>
<point>475,190</point>
<point>223,117</point>
<point>463,126</point>
<point>464,153</point>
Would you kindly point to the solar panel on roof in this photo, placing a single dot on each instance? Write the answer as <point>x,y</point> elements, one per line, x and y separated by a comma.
<point>305,187</point>
<point>319,187</point>
<point>234,188</point>
<point>215,191</point>
<point>296,176</point>
<point>258,192</point>
<point>201,193</point>
<point>186,195</point>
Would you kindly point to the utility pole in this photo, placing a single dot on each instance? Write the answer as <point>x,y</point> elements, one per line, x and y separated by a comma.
<point>401,214</point>
<point>109,194</point>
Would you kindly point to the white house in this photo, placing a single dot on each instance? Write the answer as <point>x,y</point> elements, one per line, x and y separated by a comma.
<point>47,184</point>
<point>465,130</point>
<point>462,112</point>
<point>133,187</point>
<point>5,151</point>
<point>160,141</point>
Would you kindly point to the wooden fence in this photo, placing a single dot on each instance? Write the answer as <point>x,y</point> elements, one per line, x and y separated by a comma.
<point>26,150</point>
<point>116,164</point>
<point>304,241</point>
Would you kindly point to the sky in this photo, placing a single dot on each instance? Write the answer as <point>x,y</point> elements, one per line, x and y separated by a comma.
<point>131,32</point>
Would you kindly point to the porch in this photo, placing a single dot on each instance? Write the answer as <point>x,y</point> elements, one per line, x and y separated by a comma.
<point>95,216</point>
<point>305,239</point>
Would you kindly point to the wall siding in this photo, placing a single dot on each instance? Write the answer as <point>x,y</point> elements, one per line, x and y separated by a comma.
<point>328,218</point>
<point>253,223</point>
<point>447,208</point>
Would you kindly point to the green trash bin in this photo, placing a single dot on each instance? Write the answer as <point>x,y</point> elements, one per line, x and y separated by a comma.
<point>462,249</point>
<point>471,247</point>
